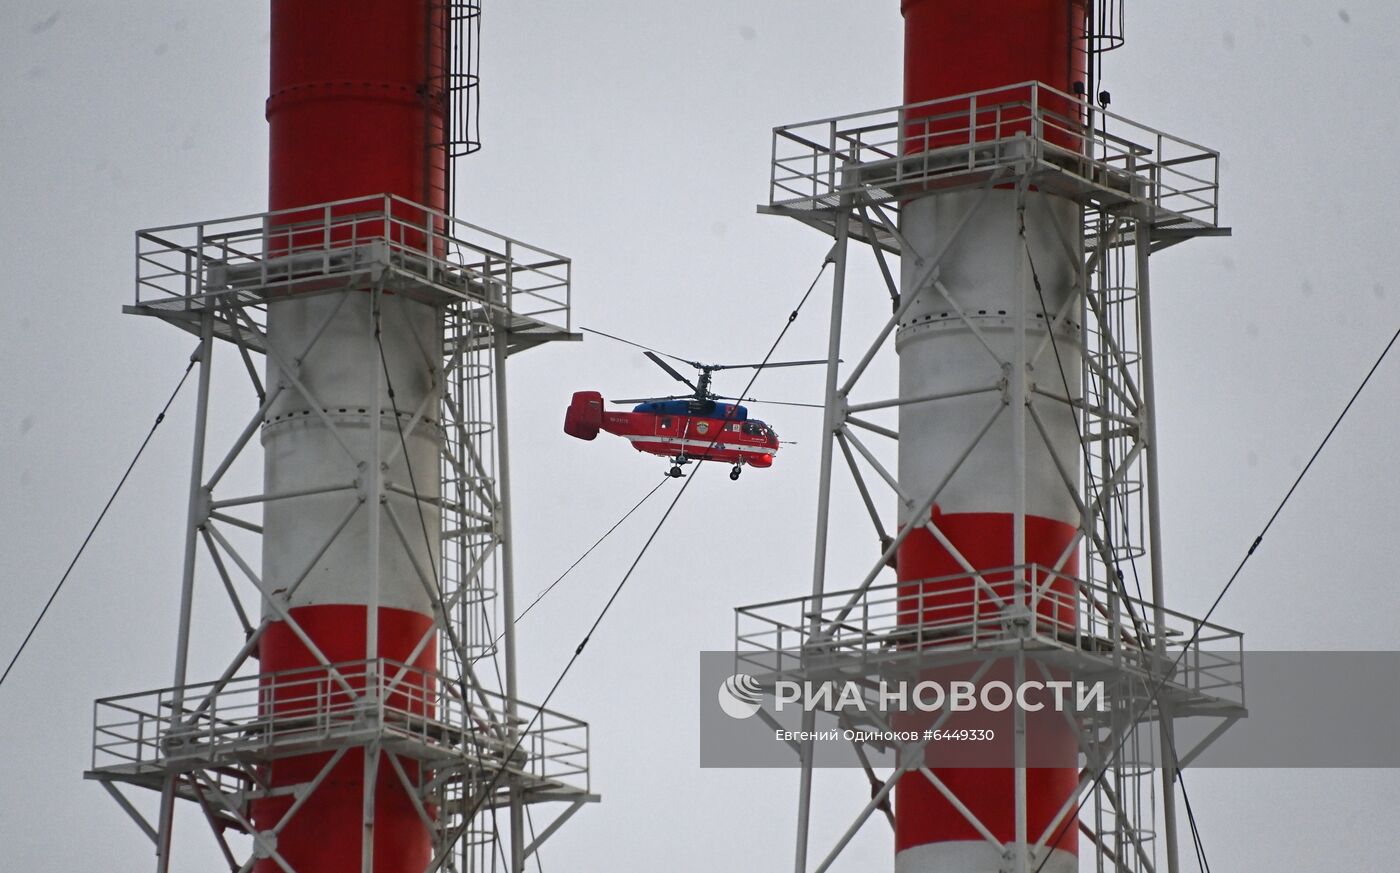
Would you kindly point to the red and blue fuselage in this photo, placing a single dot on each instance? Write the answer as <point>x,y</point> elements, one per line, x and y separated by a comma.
<point>685,429</point>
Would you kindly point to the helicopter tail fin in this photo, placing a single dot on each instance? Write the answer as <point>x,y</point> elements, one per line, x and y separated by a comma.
<point>585,415</point>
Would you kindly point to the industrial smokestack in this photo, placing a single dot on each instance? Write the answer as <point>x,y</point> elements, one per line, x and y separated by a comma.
<point>1005,505</point>
<point>355,108</point>
<point>365,739</point>
<point>1023,215</point>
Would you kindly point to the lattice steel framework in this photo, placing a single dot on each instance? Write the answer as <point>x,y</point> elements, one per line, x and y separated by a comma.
<point>1139,190</point>
<point>454,736</point>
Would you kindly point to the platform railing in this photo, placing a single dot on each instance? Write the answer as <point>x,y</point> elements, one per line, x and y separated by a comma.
<point>258,256</point>
<point>306,710</point>
<point>893,153</point>
<point>991,610</point>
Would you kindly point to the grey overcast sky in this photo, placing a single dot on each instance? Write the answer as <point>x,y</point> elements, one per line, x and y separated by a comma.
<point>634,137</point>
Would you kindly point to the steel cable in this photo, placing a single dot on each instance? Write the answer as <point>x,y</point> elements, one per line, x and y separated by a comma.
<point>1197,844</point>
<point>612,598</point>
<point>1195,635</point>
<point>160,417</point>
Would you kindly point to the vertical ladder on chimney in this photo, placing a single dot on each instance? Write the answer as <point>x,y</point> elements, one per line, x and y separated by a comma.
<point>454,35</point>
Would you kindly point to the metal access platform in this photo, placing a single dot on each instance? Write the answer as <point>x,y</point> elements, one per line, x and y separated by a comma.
<point>248,261</point>
<point>1055,142</point>
<point>207,741</point>
<point>901,630</point>
<point>413,713</point>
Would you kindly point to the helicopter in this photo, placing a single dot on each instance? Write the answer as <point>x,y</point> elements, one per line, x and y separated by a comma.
<point>700,426</point>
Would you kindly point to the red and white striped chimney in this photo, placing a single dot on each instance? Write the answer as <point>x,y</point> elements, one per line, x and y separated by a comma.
<point>352,112</point>
<point>956,47</point>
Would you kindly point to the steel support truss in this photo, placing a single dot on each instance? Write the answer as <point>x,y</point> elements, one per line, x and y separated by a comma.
<point>452,737</point>
<point>1139,190</point>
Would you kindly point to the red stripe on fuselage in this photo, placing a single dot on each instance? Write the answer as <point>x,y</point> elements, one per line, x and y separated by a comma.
<point>696,437</point>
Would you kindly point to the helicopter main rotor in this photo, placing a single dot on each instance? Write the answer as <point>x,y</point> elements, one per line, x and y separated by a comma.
<point>700,386</point>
